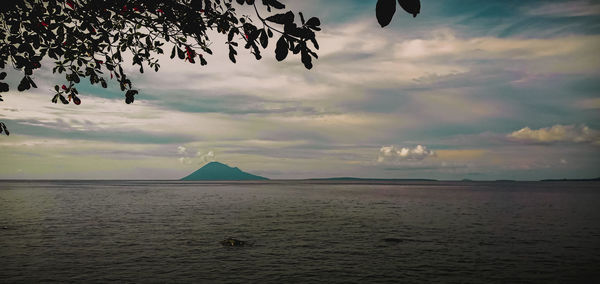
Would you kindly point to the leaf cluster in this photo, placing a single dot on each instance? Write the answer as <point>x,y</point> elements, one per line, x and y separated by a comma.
<point>385,9</point>
<point>88,39</point>
<point>3,129</point>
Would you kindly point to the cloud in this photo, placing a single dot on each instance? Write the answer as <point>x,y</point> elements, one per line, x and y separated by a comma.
<point>200,157</point>
<point>185,160</point>
<point>206,158</point>
<point>395,154</point>
<point>566,9</point>
<point>592,103</point>
<point>557,133</point>
<point>461,154</point>
<point>446,44</point>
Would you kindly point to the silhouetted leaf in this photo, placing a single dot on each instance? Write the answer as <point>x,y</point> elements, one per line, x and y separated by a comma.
<point>384,11</point>
<point>232,32</point>
<point>282,19</point>
<point>129,96</point>
<point>3,87</point>
<point>411,6</point>
<point>281,51</point>
<point>2,75</point>
<point>264,39</point>
<point>306,59</point>
<point>232,53</point>
<point>63,99</point>
<point>55,98</point>
<point>173,53</point>
<point>254,35</point>
<point>31,82</point>
<point>23,85</point>
<point>5,129</point>
<point>73,77</point>
<point>296,48</point>
<point>313,22</point>
<point>315,43</point>
<point>274,3</point>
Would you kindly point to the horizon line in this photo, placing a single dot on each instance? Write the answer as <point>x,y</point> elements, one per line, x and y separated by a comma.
<point>320,179</point>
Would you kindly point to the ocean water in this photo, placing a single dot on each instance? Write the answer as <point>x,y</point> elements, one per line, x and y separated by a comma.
<point>303,232</point>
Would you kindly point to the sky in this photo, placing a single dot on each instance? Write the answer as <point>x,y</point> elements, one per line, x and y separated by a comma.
<point>478,90</point>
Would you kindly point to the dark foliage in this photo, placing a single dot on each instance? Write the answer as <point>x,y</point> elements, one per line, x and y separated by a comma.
<point>3,128</point>
<point>386,9</point>
<point>87,39</point>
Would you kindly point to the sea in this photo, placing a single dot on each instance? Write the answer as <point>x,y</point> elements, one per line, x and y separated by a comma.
<point>299,232</point>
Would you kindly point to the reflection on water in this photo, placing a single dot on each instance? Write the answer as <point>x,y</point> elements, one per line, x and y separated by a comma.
<point>135,231</point>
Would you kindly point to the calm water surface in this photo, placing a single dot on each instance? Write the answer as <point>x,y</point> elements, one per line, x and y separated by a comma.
<point>463,232</point>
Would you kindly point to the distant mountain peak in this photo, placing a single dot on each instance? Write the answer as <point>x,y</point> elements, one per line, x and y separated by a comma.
<point>215,164</point>
<point>220,171</point>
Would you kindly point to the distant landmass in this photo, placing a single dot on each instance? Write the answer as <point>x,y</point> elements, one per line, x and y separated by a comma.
<point>566,179</point>
<point>372,179</point>
<point>219,171</point>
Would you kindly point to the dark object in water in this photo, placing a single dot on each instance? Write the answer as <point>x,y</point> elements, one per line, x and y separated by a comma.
<point>393,240</point>
<point>231,242</point>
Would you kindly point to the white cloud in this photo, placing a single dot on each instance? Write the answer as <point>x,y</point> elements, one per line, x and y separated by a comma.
<point>201,157</point>
<point>206,158</point>
<point>446,43</point>
<point>185,160</point>
<point>557,133</point>
<point>566,9</point>
<point>394,154</point>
